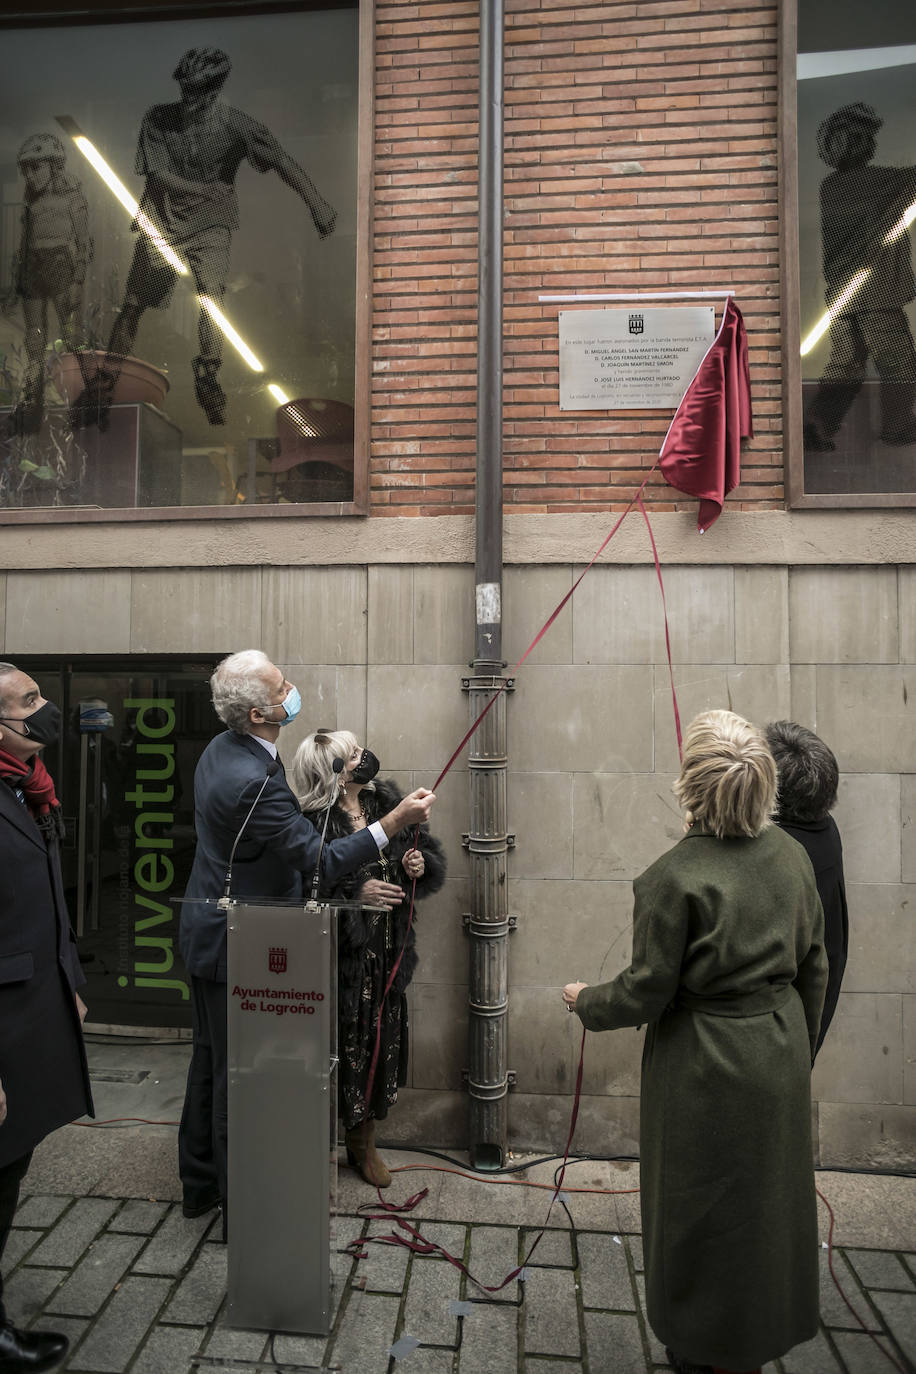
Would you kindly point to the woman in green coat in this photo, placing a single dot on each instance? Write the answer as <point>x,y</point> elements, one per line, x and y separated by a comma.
<point>729,973</point>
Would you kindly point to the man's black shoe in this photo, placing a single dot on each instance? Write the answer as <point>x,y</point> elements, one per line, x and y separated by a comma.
<point>21,1351</point>
<point>199,1209</point>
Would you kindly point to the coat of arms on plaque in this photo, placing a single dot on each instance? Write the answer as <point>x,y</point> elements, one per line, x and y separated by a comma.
<point>277,959</point>
<point>637,324</point>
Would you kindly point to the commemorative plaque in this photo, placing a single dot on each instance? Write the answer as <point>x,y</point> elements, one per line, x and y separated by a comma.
<point>632,359</point>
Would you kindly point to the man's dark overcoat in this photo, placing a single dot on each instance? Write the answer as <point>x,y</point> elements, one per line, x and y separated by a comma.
<point>821,842</point>
<point>42,1056</point>
<point>729,972</point>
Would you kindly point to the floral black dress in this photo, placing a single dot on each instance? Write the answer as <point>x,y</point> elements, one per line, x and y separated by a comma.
<point>369,944</point>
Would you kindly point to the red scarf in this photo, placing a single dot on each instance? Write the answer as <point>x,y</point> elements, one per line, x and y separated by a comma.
<point>33,779</point>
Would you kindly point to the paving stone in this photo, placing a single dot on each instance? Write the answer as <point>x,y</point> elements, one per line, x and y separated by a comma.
<point>656,1349</point>
<point>433,1285</point>
<point>604,1273</point>
<point>614,1344</point>
<point>554,1248</point>
<point>489,1339</point>
<point>28,1290</point>
<point>72,1327</point>
<point>95,1276</point>
<point>300,1350</point>
<point>834,1312</point>
<point>41,1210</point>
<point>139,1217</point>
<point>65,1243</point>
<point>384,1268</point>
<point>173,1244</point>
<point>899,1311</point>
<point>425,1361</point>
<point>119,1331</point>
<point>202,1289</point>
<point>634,1243</point>
<point>814,1357</point>
<point>346,1229</point>
<point>168,1350</point>
<point>18,1244</point>
<point>229,1343</point>
<point>880,1269</point>
<point>449,1235</point>
<point>494,1254</point>
<point>551,1313</point>
<point>366,1333</point>
<point>546,1364</point>
<point>859,1353</point>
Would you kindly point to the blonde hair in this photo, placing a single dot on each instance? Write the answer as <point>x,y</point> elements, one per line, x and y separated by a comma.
<point>728,775</point>
<point>312,770</point>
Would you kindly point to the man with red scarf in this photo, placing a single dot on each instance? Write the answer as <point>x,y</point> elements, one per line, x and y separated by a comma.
<point>43,1071</point>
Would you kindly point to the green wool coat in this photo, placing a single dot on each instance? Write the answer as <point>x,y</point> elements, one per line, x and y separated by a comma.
<point>729,971</point>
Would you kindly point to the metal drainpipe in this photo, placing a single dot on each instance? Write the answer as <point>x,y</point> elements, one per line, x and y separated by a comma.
<point>488,923</point>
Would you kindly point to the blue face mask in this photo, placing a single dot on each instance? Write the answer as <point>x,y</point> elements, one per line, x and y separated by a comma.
<point>292,705</point>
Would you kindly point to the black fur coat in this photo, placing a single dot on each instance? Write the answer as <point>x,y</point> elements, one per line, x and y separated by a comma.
<point>355,927</point>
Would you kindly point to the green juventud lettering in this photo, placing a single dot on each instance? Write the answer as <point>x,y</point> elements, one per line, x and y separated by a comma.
<point>143,704</point>
<point>153,818</point>
<point>166,752</point>
<point>154,872</point>
<point>162,913</point>
<point>163,942</point>
<point>178,984</point>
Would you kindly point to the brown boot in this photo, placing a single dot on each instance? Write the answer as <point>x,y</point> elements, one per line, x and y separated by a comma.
<point>362,1154</point>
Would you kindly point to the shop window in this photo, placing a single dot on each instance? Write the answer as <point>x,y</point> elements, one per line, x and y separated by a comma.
<point>849,169</point>
<point>183,262</point>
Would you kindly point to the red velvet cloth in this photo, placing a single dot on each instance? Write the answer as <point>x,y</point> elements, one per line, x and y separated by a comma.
<point>701,453</point>
<point>33,779</point>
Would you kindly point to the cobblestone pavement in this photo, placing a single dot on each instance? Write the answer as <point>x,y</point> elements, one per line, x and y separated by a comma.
<point>137,1288</point>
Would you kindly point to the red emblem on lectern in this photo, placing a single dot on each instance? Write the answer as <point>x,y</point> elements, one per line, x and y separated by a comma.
<point>277,962</point>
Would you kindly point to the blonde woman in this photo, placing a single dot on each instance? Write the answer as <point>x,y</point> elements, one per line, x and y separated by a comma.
<point>369,943</point>
<point>728,974</point>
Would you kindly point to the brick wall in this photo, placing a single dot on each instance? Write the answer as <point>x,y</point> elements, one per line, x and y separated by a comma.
<point>640,155</point>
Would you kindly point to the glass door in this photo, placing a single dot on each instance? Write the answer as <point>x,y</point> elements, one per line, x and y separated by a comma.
<point>132,732</point>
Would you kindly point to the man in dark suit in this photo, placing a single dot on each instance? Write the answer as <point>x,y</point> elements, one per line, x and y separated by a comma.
<point>45,1080</point>
<point>239,771</point>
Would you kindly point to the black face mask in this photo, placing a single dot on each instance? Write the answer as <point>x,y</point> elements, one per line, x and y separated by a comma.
<point>43,725</point>
<point>366,769</point>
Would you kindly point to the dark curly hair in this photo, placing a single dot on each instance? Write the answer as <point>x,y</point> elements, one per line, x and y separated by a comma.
<point>807,769</point>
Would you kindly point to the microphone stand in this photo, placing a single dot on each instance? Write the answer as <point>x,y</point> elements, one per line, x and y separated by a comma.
<point>223,903</point>
<point>338,766</point>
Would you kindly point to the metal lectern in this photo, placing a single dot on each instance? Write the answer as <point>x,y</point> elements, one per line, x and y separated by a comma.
<point>282,1044</point>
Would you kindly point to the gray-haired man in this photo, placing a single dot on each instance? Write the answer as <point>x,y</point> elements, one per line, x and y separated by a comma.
<point>254,700</point>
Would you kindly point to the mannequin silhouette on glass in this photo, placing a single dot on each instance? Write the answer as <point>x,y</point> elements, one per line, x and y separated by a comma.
<point>190,153</point>
<point>862,206</point>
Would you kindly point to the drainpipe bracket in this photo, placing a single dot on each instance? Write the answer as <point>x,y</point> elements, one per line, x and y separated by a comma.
<point>489,1090</point>
<point>488,928</point>
<point>487,682</point>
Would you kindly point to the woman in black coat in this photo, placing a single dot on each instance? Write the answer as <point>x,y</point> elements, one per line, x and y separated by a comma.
<point>374,948</point>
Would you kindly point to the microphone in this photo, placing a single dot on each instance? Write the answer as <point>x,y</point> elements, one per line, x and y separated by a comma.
<point>272,768</point>
<point>338,766</point>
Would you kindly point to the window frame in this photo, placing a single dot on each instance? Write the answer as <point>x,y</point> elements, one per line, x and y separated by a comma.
<point>790,285</point>
<point>66,13</point>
